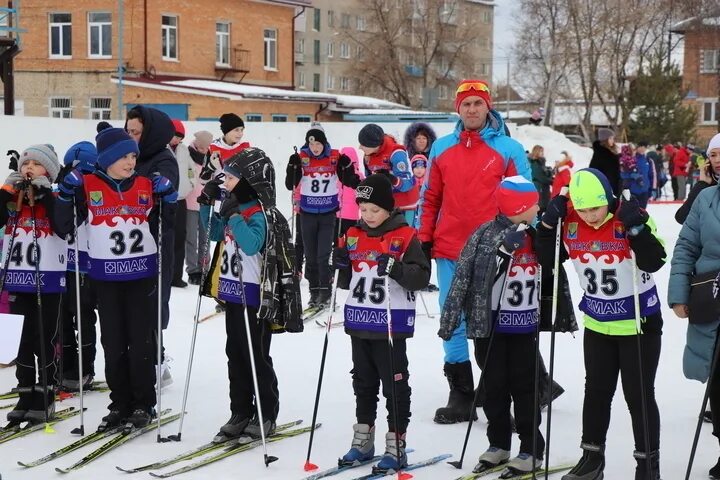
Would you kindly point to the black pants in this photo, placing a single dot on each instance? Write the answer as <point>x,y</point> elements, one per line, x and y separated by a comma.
<point>30,346</point>
<point>128,322</point>
<point>715,397</point>
<point>674,185</point>
<point>242,391</point>
<point>88,304</point>
<point>180,235</point>
<point>318,230</point>
<point>299,247</point>
<point>607,356</point>
<point>509,377</point>
<point>371,364</point>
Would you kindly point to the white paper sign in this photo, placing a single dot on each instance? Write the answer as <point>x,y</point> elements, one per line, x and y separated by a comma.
<point>10,331</point>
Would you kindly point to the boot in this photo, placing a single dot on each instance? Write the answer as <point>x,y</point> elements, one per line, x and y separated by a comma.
<point>462,394</point>
<point>21,408</point>
<point>71,383</point>
<point>36,414</point>
<point>394,457</point>
<point>194,278</point>
<point>253,428</point>
<point>233,428</point>
<point>324,297</point>
<point>314,292</point>
<point>714,472</point>
<point>590,466</point>
<point>641,472</point>
<point>141,417</point>
<point>362,447</point>
<point>547,395</point>
<point>113,419</point>
<point>492,457</point>
<point>523,463</point>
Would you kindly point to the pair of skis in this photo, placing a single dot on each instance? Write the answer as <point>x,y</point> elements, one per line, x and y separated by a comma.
<point>96,385</point>
<point>519,476</point>
<point>344,468</point>
<point>14,431</point>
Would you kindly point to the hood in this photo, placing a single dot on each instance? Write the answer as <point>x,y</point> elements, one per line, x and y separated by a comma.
<point>351,153</point>
<point>158,130</point>
<point>412,132</point>
<point>494,127</point>
<point>395,221</point>
<point>325,153</point>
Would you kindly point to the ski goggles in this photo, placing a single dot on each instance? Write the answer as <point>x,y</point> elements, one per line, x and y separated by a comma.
<point>477,86</point>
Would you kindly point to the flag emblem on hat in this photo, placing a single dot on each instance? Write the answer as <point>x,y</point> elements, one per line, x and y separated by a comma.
<point>96,198</point>
<point>396,244</point>
<point>352,243</point>
<point>572,231</point>
<point>363,191</point>
<point>143,198</point>
<point>618,230</point>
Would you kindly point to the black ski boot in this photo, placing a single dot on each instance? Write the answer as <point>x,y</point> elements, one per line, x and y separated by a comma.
<point>714,472</point>
<point>37,413</point>
<point>547,395</point>
<point>641,472</point>
<point>233,428</point>
<point>140,417</point>
<point>21,408</point>
<point>314,293</point>
<point>590,466</point>
<point>194,278</point>
<point>462,394</point>
<point>324,297</point>
<point>253,428</point>
<point>113,419</point>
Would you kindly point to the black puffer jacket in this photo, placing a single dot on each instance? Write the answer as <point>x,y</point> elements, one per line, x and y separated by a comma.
<point>607,162</point>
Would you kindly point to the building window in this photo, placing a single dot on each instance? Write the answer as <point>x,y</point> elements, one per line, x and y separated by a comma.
<point>487,17</point>
<point>169,37</point>
<point>300,45</point>
<point>253,117</point>
<point>270,38</point>
<point>301,79</point>
<point>279,117</point>
<point>222,43</point>
<point>304,118</point>
<point>484,69</point>
<point>61,107</point>
<point>330,49</point>
<point>344,84</point>
<point>443,92</point>
<point>100,35</point>
<point>711,112</point>
<point>345,20</point>
<point>100,108</point>
<point>316,82</point>
<point>710,61</point>
<point>60,35</point>
<point>344,50</point>
<point>330,82</point>
<point>331,18</point>
<point>360,24</point>
<point>316,52</point>
<point>316,20</point>
<point>359,53</point>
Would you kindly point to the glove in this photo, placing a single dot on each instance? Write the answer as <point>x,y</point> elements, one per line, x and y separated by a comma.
<point>427,250</point>
<point>70,182</point>
<point>41,182</point>
<point>164,188</point>
<point>211,192</point>
<point>394,181</point>
<point>14,157</point>
<point>340,258</point>
<point>385,265</point>
<point>14,182</point>
<point>630,213</point>
<point>344,162</point>
<point>556,209</point>
<point>210,167</point>
<point>513,240</point>
<point>295,161</point>
<point>229,207</point>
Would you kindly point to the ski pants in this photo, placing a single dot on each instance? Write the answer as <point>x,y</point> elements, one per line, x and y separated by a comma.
<point>26,304</point>
<point>606,357</point>
<point>371,365</point>
<point>88,304</point>
<point>242,392</point>
<point>318,231</point>
<point>128,325</point>
<point>456,349</point>
<point>195,238</point>
<point>180,239</point>
<point>509,377</point>
<point>299,246</point>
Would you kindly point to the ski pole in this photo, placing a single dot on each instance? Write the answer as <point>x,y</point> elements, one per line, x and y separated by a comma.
<point>158,369</point>
<point>292,204</point>
<point>536,378</point>
<point>78,318</point>
<point>422,299</point>
<point>18,208</point>
<point>203,272</point>
<point>36,260</point>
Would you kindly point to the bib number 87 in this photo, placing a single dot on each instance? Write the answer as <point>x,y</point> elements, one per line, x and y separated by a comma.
<point>315,185</point>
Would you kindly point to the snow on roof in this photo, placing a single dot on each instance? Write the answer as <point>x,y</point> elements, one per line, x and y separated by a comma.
<point>711,20</point>
<point>512,114</point>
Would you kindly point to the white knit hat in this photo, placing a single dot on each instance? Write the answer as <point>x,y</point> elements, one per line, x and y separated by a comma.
<point>714,143</point>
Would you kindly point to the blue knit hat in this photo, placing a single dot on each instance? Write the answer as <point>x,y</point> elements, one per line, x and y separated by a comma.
<point>112,145</point>
<point>85,154</point>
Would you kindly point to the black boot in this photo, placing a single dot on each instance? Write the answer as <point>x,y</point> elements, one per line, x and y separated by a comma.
<point>714,472</point>
<point>37,413</point>
<point>21,408</point>
<point>590,466</point>
<point>324,297</point>
<point>462,394</point>
<point>641,472</point>
<point>314,293</point>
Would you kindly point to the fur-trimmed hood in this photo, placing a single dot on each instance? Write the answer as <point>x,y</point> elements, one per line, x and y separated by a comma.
<point>412,132</point>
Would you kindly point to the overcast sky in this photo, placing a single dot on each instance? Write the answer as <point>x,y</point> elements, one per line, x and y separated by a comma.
<point>503,38</point>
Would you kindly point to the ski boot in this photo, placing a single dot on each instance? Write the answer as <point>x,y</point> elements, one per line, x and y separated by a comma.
<point>113,419</point>
<point>233,428</point>
<point>714,472</point>
<point>394,458</point>
<point>324,298</point>
<point>462,394</point>
<point>140,417</point>
<point>520,465</point>
<point>253,428</point>
<point>362,447</point>
<point>37,413</point>
<point>492,457</point>
<point>194,278</point>
<point>591,464</point>
<point>21,408</point>
<point>314,293</point>
<point>71,383</point>
<point>641,472</point>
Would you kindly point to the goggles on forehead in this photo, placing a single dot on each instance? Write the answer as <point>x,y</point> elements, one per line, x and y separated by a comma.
<point>467,86</point>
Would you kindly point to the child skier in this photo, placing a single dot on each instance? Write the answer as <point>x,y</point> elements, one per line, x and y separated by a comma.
<point>418,163</point>
<point>123,266</point>
<point>603,239</point>
<point>28,230</point>
<point>382,246</point>
<point>317,169</point>
<point>233,129</point>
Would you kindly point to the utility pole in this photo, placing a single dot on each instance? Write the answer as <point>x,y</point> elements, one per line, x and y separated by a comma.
<point>121,28</point>
<point>507,100</point>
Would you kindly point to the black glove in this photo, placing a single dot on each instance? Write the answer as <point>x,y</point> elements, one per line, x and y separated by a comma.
<point>630,213</point>
<point>14,157</point>
<point>344,162</point>
<point>386,264</point>
<point>427,250</point>
<point>295,161</point>
<point>229,207</point>
<point>340,258</point>
<point>209,169</point>
<point>211,192</point>
<point>513,240</point>
<point>556,209</point>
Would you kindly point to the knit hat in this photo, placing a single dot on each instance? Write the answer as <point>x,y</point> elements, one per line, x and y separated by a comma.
<point>590,188</point>
<point>84,153</point>
<point>472,88</point>
<point>45,155</point>
<point>714,143</point>
<point>604,134</point>
<point>179,128</point>
<point>230,121</point>
<point>102,126</point>
<point>112,145</point>
<point>516,195</point>
<point>376,189</point>
<point>317,135</point>
<point>371,136</point>
<point>418,160</point>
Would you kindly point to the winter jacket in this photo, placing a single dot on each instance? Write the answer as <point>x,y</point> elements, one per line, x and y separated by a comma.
<point>393,158</point>
<point>348,208</point>
<point>684,209</point>
<point>542,179</point>
<point>637,180</point>
<point>562,177</point>
<point>681,162</point>
<point>608,162</point>
<point>191,199</point>
<point>411,133</point>
<point>697,251</point>
<point>470,294</point>
<point>186,171</point>
<point>464,170</point>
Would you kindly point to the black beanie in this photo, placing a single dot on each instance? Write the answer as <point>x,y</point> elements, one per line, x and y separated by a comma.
<point>230,121</point>
<point>371,136</point>
<point>103,125</point>
<point>317,135</point>
<point>376,189</point>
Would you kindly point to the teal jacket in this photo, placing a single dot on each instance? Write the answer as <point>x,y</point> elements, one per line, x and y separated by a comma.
<point>249,235</point>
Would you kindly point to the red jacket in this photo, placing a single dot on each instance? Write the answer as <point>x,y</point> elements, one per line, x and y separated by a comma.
<point>561,179</point>
<point>680,163</point>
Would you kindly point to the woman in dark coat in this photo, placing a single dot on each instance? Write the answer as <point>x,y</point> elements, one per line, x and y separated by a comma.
<point>606,158</point>
<point>419,137</point>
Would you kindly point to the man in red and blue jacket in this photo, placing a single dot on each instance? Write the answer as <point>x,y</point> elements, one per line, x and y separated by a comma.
<point>464,170</point>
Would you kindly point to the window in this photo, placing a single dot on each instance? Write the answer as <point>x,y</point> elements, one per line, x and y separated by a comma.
<point>279,117</point>
<point>484,42</point>
<point>345,20</point>
<point>99,35</point>
<point>331,18</point>
<point>301,79</point>
<point>711,111</point>
<point>329,82</point>
<point>487,17</point>
<point>60,35</point>
<point>304,118</point>
<point>169,37</point>
<point>710,61</point>
<point>484,69</point>
<point>330,49</point>
<point>300,45</point>
<point>361,24</point>
<point>61,107</point>
<point>253,117</point>
<point>270,37</point>
<point>222,43</point>
<point>344,84</point>
<point>316,52</point>
<point>316,82</point>
<point>316,20</point>
<point>443,94</point>
<point>344,50</point>
<point>359,53</point>
<point>100,108</point>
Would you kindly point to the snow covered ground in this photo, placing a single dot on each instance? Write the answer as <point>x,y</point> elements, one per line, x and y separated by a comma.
<point>297,358</point>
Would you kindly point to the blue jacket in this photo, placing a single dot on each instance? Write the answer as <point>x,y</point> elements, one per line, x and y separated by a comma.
<point>638,182</point>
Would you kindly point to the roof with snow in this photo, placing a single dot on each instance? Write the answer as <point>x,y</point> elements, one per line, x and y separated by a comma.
<point>712,20</point>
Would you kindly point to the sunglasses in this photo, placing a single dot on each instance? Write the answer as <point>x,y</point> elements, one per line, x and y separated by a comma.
<point>478,86</point>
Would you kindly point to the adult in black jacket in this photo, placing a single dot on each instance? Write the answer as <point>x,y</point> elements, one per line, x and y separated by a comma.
<point>606,159</point>
<point>153,130</point>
